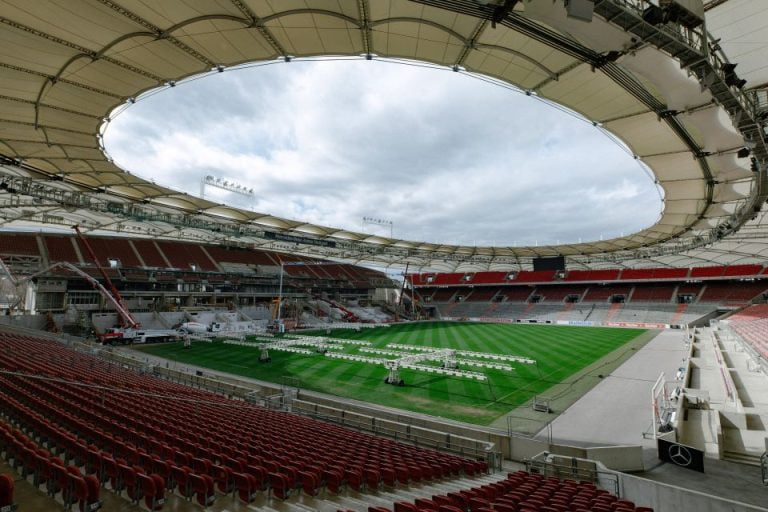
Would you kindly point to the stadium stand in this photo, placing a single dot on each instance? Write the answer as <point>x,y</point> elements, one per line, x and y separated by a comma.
<point>19,244</point>
<point>593,275</point>
<point>61,248</point>
<point>150,253</point>
<point>146,446</point>
<point>522,491</point>
<point>604,293</point>
<point>653,293</point>
<point>751,324</point>
<point>726,292</point>
<point>483,294</point>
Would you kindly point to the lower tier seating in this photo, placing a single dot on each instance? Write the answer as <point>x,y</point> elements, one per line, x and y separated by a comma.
<point>145,436</point>
<point>522,492</point>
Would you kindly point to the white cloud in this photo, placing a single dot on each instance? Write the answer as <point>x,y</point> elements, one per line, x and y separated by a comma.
<point>447,157</point>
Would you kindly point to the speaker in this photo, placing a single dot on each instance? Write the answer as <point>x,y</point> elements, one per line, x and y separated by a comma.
<point>580,9</point>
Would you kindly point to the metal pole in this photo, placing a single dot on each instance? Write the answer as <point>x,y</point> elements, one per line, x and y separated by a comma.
<point>280,294</point>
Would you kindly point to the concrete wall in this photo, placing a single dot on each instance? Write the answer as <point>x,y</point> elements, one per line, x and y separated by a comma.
<point>619,458</point>
<point>668,498</point>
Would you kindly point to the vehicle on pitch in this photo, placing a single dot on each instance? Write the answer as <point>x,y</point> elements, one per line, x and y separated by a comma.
<point>121,335</point>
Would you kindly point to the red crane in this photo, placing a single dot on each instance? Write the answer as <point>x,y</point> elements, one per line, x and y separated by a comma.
<point>126,318</point>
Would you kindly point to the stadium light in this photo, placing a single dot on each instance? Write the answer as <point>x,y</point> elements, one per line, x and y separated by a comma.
<point>230,186</point>
<point>378,222</point>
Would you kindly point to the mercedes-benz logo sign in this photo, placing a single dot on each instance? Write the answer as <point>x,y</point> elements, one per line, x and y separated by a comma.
<point>680,455</point>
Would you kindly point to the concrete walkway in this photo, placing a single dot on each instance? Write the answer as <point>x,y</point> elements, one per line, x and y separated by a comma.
<point>618,410</point>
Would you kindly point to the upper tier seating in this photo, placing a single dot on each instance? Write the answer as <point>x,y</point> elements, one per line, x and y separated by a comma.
<point>592,275</point>
<point>25,245</point>
<point>236,255</point>
<point>535,276</point>
<point>60,248</point>
<point>653,273</point>
<point>110,248</point>
<point>183,256</point>
<point>150,253</point>
<point>699,272</point>
<point>488,277</point>
<point>190,438</point>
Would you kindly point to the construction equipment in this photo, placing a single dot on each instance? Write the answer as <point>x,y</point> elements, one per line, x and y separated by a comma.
<point>126,318</point>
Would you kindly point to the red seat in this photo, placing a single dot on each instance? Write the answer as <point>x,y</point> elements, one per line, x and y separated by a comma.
<point>246,486</point>
<point>334,481</point>
<point>87,494</point>
<point>202,487</point>
<point>372,478</point>
<point>449,508</point>
<point>404,506</point>
<point>280,484</point>
<point>6,491</point>
<point>310,483</point>
<point>425,504</point>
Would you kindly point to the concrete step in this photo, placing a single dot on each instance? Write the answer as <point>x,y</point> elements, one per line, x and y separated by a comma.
<point>742,458</point>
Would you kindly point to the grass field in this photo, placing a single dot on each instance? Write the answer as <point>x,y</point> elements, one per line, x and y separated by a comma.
<point>562,352</point>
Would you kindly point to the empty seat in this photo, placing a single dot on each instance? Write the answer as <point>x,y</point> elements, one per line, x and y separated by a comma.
<point>6,492</point>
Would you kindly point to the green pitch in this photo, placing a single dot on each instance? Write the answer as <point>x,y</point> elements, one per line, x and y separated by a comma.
<point>569,362</point>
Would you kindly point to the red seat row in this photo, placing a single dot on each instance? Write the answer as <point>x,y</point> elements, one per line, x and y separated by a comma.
<point>522,492</point>
<point>133,431</point>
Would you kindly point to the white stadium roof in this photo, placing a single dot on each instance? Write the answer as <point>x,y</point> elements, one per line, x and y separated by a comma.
<point>66,66</point>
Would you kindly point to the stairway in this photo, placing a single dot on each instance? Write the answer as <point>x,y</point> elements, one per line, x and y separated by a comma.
<point>678,313</point>
<point>567,309</point>
<point>615,307</point>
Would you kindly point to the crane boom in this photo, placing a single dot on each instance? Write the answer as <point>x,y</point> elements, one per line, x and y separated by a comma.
<point>122,311</point>
<point>125,316</point>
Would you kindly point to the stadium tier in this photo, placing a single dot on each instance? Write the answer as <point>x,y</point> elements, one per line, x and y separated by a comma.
<point>522,491</point>
<point>151,269</point>
<point>176,438</point>
<point>641,296</point>
<point>751,324</point>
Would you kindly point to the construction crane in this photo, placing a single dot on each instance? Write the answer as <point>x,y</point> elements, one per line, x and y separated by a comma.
<point>125,316</point>
<point>119,307</point>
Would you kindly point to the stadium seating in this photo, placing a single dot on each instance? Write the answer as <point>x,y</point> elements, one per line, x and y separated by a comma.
<point>189,441</point>
<point>592,275</point>
<point>724,292</point>
<point>603,293</point>
<point>483,294</point>
<point>150,253</point>
<point>751,324</point>
<point>522,492</point>
<point>19,244</point>
<point>110,249</point>
<point>60,248</point>
<point>558,293</point>
<point>181,255</point>
<point>534,276</point>
<point>653,292</point>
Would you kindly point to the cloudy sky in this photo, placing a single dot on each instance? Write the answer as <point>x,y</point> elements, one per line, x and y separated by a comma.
<point>445,156</point>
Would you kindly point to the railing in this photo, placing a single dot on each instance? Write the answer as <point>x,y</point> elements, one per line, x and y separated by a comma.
<point>402,432</point>
<point>573,468</point>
